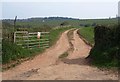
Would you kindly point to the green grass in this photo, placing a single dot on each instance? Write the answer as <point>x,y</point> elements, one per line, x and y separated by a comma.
<point>63,55</point>
<point>56,22</point>
<point>12,52</point>
<point>101,58</point>
<point>87,33</point>
<point>104,58</point>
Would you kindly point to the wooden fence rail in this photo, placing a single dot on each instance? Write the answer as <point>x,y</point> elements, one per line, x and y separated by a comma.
<point>30,40</point>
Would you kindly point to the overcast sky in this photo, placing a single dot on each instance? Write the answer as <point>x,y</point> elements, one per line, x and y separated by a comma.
<point>62,8</point>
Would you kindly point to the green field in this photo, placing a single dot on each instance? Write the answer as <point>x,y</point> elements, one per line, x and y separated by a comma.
<point>72,22</point>
<point>87,33</point>
<point>56,21</point>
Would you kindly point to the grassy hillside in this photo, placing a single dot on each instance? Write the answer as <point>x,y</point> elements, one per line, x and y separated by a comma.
<point>56,21</point>
<point>72,22</point>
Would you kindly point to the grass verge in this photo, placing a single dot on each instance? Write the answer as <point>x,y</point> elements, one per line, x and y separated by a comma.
<point>13,54</point>
<point>102,57</point>
<point>87,33</point>
<point>64,55</point>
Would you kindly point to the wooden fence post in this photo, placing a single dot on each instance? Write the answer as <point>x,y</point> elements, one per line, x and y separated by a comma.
<point>28,39</point>
<point>14,37</point>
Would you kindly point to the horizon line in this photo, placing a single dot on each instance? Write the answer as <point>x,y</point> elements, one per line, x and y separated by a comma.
<point>59,16</point>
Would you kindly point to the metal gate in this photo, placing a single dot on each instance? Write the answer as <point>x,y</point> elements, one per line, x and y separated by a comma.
<point>32,39</point>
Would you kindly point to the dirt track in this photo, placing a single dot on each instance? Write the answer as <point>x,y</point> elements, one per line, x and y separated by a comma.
<point>47,66</point>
